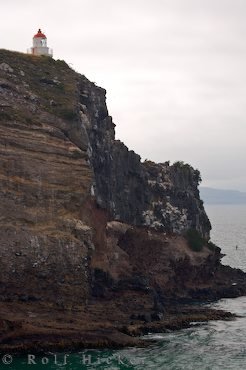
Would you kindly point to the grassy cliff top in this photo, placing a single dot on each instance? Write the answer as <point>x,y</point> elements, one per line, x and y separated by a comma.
<point>52,82</point>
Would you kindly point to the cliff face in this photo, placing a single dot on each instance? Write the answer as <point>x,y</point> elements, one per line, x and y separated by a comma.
<point>159,196</point>
<point>86,226</point>
<point>81,215</point>
<point>45,181</point>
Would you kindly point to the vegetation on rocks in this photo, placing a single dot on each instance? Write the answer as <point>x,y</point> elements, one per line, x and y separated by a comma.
<point>45,81</point>
<point>195,240</point>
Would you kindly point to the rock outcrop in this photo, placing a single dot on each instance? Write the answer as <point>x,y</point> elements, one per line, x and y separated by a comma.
<point>83,220</point>
<point>159,196</point>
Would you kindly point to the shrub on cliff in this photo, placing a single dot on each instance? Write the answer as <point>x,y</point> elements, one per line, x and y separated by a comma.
<point>195,240</point>
<point>185,166</point>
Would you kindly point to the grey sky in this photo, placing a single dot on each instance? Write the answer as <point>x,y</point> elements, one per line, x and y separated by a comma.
<point>174,70</point>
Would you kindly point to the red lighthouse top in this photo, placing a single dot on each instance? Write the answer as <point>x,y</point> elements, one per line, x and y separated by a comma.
<point>39,34</point>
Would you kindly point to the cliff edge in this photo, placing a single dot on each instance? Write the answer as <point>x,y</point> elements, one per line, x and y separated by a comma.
<point>84,223</point>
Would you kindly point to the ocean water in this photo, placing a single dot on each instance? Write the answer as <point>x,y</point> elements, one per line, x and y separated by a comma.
<point>229,232</point>
<point>209,346</point>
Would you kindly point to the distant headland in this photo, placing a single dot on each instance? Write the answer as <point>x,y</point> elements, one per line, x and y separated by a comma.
<point>222,196</point>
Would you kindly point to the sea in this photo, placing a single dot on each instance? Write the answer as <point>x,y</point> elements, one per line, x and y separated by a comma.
<point>206,346</point>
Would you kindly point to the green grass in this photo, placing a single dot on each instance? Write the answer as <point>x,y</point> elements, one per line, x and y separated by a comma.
<point>37,68</point>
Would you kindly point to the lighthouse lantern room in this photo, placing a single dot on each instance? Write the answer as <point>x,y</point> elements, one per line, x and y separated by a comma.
<point>40,45</point>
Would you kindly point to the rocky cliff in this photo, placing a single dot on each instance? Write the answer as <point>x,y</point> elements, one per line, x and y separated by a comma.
<point>83,220</point>
<point>159,196</point>
<point>45,181</point>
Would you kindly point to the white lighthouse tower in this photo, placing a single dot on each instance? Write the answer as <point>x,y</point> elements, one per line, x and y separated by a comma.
<point>40,45</point>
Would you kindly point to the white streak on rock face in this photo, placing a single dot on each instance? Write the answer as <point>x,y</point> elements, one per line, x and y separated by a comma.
<point>6,68</point>
<point>92,191</point>
<point>151,220</point>
<point>148,217</point>
<point>178,217</point>
<point>152,183</point>
<point>89,151</point>
<point>171,215</point>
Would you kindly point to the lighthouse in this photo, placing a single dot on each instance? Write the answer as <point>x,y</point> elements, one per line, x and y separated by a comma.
<point>40,45</point>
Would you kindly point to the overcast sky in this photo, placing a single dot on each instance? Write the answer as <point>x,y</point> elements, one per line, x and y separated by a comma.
<point>174,70</point>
